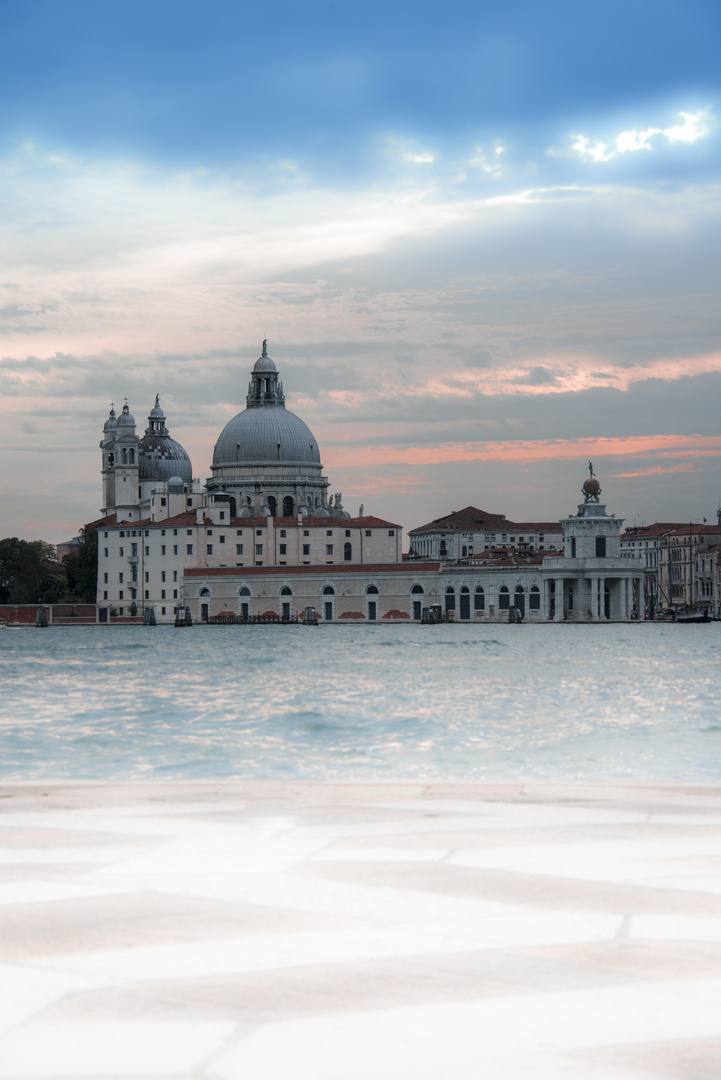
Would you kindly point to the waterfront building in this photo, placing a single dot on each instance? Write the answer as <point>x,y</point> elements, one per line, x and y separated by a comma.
<point>464,533</point>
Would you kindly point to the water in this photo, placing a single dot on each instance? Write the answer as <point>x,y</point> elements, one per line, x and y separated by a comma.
<point>493,701</point>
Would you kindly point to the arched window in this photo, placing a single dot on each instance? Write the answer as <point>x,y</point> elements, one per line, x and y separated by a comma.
<point>329,591</point>
<point>519,589</point>
<point>131,457</point>
<point>450,599</point>
<point>124,457</point>
<point>470,549</point>
<point>272,506</point>
<point>464,551</point>
<point>288,506</point>
<point>465,589</point>
<point>504,600</point>
<point>534,600</point>
<point>204,592</point>
<point>417,589</point>
<point>443,548</point>
<point>245,591</point>
<point>372,589</point>
<point>479,599</point>
<point>347,552</point>
<point>285,591</point>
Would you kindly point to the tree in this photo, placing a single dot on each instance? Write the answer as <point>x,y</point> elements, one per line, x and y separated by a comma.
<point>25,566</point>
<point>82,567</point>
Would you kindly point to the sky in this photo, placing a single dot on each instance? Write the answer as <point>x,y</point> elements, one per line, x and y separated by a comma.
<point>481,239</point>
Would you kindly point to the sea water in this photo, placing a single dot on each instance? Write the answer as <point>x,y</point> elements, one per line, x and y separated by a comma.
<point>635,701</point>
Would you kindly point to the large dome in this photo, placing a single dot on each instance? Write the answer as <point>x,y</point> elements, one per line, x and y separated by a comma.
<point>266,436</point>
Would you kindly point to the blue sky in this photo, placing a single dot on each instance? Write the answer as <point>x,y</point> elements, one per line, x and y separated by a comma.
<point>482,240</point>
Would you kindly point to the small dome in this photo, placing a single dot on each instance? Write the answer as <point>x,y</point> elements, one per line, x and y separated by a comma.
<point>156,413</point>
<point>162,458</point>
<point>175,485</point>
<point>264,363</point>
<point>111,423</point>
<point>126,419</point>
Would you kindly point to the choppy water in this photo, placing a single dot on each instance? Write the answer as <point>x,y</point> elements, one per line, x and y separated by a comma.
<point>634,701</point>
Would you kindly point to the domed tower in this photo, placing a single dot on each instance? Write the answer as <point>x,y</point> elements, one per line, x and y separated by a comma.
<point>126,466</point>
<point>160,458</point>
<point>266,458</point>
<point>107,447</point>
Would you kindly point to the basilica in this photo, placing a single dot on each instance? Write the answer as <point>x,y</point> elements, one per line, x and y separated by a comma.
<point>262,538</point>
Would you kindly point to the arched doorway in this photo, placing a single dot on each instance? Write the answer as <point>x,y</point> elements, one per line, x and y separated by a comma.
<point>372,590</point>
<point>328,591</point>
<point>244,604</point>
<point>285,604</point>
<point>450,599</point>
<point>205,607</point>
<point>272,506</point>
<point>417,590</point>
<point>288,506</point>
<point>479,599</point>
<point>465,612</point>
<point>504,599</point>
<point>520,599</point>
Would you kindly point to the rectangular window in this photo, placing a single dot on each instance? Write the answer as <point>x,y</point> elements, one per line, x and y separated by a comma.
<point>208,549</point>
<point>368,532</point>
<point>133,593</point>
<point>238,549</point>
<point>162,575</point>
<point>175,549</point>
<point>147,575</point>
<point>600,547</point>
<point>122,552</point>
<point>122,532</point>
<point>189,532</point>
<point>258,549</point>
<point>238,532</point>
<point>105,553</point>
<point>222,539</point>
<point>306,549</point>
<point>163,502</point>
<point>105,535</point>
<point>221,515</point>
<point>162,594</point>
<point>282,532</point>
<point>284,549</point>
<point>147,532</point>
<point>162,611</point>
<point>120,611</point>
<point>105,596</point>
<point>208,532</point>
<point>175,532</point>
<point>120,578</point>
<point>347,532</point>
<point>120,594</point>
<point>306,532</point>
<point>162,549</point>
<point>175,594</point>
<point>105,578</point>
<point>147,595</point>
<point>189,549</point>
<point>147,550</point>
<point>329,549</point>
<point>258,532</point>
<point>162,532</point>
<point>175,575</point>
<point>391,532</point>
<point>329,532</point>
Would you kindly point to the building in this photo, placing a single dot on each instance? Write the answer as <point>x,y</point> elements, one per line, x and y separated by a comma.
<point>465,533</point>
<point>266,504</point>
<point>683,573</point>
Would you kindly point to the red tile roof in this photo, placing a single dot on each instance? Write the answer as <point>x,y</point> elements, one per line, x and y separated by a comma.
<point>323,569</point>
<point>471,518</point>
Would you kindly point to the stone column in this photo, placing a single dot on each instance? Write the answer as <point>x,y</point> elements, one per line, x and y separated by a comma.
<point>602,598</point>
<point>559,599</point>
<point>545,599</point>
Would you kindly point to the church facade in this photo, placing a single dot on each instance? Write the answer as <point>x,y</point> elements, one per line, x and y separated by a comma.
<point>263,538</point>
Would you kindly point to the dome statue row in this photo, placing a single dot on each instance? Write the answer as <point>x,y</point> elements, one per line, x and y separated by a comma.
<point>266,459</point>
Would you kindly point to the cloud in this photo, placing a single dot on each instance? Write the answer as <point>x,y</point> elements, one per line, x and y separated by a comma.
<point>690,128</point>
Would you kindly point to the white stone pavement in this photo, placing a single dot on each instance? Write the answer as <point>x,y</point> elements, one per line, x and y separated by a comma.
<point>250,930</point>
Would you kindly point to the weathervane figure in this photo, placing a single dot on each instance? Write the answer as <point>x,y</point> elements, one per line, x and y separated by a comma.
<point>590,469</point>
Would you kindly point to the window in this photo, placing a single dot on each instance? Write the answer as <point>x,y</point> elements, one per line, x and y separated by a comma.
<point>479,599</point>
<point>189,549</point>
<point>600,547</point>
<point>122,552</point>
<point>258,532</point>
<point>282,532</point>
<point>147,595</point>
<point>328,591</point>
<point>175,549</point>
<point>147,550</point>
<point>328,532</point>
<point>105,535</point>
<point>208,532</point>
<point>221,515</point>
<point>286,591</point>
<point>245,591</point>
<point>238,549</point>
<point>147,575</point>
<point>417,589</point>
<point>120,578</point>
<point>329,549</point>
<point>105,553</point>
<point>306,532</point>
<point>258,549</point>
<point>162,594</point>
<point>391,532</point>
<point>372,589</point>
<point>105,596</point>
<point>222,539</point>
<point>208,549</point>
<point>163,502</point>
<point>573,547</point>
<point>147,532</point>
<point>162,611</point>
<point>306,549</point>
<point>347,532</point>
<point>105,578</point>
<point>238,532</point>
<point>283,549</point>
<point>175,575</point>
<point>162,575</point>
<point>450,599</point>
<point>175,594</point>
<point>189,532</point>
<point>120,594</point>
<point>504,600</point>
<point>162,549</point>
<point>347,552</point>
<point>368,532</point>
